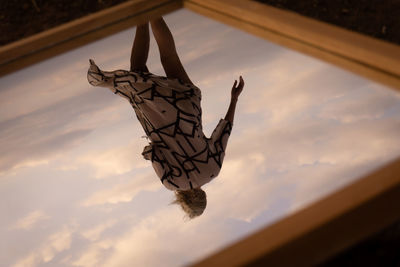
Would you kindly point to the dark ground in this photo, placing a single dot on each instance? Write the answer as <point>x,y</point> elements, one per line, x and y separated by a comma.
<point>379,250</point>
<point>377,18</point>
<point>22,18</point>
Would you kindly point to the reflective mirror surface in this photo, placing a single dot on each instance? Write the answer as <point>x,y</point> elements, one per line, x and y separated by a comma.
<point>77,192</point>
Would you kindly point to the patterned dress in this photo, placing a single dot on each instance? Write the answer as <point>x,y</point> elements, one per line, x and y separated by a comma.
<point>170,114</point>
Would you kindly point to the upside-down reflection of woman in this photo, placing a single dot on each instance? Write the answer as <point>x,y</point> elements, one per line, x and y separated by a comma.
<point>169,110</point>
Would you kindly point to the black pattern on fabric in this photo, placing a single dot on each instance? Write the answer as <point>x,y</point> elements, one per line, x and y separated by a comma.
<point>170,114</point>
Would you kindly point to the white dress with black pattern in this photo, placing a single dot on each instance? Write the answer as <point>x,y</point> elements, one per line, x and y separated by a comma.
<point>170,114</point>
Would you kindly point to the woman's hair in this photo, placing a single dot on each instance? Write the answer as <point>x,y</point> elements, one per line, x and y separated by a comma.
<point>193,202</point>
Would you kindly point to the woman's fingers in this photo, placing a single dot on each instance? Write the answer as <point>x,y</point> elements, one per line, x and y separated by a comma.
<point>241,83</point>
<point>237,88</point>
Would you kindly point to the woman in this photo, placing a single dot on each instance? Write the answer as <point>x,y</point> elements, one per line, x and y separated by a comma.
<point>169,110</point>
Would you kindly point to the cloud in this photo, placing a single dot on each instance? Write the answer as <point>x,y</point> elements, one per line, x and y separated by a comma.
<point>165,235</point>
<point>313,141</point>
<point>287,91</point>
<point>44,133</point>
<point>236,183</point>
<point>115,161</point>
<point>35,152</point>
<point>316,181</point>
<point>30,220</point>
<point>361,104</point>
<point>41,87</point>
<point>94,254</point>
<point>124,192</point>
<point>56,243</point>
<point>95,232</point>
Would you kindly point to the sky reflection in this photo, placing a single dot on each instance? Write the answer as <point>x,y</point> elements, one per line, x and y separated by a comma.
<point>77,192</point>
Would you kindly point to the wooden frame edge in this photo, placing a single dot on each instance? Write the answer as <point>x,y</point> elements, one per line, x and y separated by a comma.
<point>79,32</point>
<point>321,230</point>
<point>371,58</point>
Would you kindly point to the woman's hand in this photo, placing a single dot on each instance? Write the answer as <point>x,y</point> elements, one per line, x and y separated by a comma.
<point>236,90</point>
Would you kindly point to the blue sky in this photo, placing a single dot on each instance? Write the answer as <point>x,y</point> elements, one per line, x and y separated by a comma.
<point>76,191</point>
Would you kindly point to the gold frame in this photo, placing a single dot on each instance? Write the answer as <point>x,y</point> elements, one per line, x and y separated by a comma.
<point>321,230</point>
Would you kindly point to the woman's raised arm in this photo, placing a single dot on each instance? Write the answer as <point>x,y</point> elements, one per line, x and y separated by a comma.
<point>236,90</point>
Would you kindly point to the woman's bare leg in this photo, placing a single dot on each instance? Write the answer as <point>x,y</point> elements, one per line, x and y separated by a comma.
<point>140,48</point>
<point>169,57</point>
